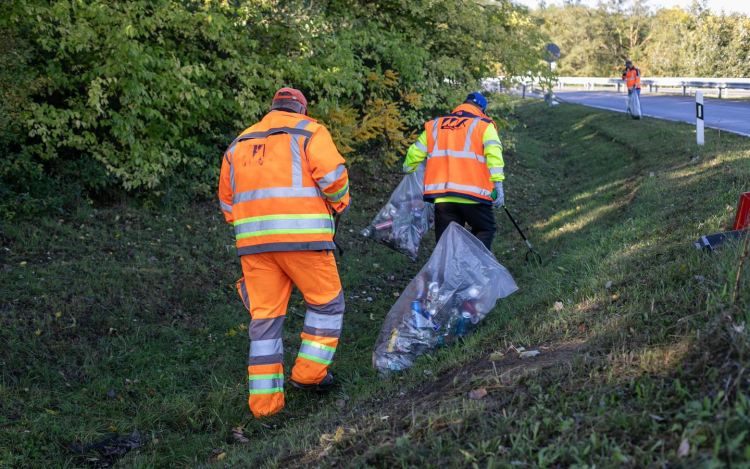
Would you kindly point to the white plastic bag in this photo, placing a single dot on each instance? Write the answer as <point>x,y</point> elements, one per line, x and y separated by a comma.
<point>634,104</point>
<point>405,219</point>
<point>452,293</point>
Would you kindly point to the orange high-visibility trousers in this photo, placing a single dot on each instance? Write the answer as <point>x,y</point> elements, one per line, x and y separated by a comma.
<point>266,288</point>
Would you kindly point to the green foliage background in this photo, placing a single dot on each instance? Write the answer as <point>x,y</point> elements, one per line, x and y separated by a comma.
<point>596,41</point>
<point>142,97</point>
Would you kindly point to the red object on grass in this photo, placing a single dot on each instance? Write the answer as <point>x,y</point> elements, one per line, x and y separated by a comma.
<point>742,219</point>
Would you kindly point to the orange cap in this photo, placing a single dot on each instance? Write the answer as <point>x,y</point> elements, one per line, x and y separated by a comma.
<point>290,93</point>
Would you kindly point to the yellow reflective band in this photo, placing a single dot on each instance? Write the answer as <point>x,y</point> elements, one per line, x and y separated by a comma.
<point>273,232</point>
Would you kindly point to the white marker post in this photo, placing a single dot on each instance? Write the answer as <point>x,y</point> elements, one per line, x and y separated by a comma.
<point>699,116</point>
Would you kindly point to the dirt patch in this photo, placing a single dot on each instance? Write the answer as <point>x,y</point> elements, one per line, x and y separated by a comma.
<point>507,369</point>
<point>501,378</point>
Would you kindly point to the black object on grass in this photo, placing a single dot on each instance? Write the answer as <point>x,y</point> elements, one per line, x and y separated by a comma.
<point>110,449</point>
<point>713,241</point>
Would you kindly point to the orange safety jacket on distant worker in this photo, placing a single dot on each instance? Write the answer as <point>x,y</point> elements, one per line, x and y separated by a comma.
<point>303,177</point>
<point>456,162</point>
<point>633,78</point>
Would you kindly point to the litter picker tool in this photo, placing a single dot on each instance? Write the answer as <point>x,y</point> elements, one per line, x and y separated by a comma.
<point>531,252</point>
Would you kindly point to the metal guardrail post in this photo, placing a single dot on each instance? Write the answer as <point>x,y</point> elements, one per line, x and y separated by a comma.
<point>683,89</point>
<point>719,88</point>
<point>618,87</point>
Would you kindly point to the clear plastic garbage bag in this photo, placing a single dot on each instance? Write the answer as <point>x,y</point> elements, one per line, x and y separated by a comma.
<point>406,218</point>
<point>452,293</point>
<point>634,104</point>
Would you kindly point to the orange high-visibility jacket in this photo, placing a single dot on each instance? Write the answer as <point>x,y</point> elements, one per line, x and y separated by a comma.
<point>279,181</point>
<point>633,78</point>
<point>456,165</point>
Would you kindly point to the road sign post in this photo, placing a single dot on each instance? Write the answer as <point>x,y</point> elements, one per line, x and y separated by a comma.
<point>699,116</point>
<point>553,55</point>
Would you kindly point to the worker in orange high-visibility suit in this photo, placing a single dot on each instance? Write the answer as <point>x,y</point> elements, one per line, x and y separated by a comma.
<point>632,77</point>
<point>281,182</point>
<point>465,169</point>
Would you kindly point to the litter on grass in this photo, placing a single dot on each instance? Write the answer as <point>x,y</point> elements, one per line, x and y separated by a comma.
<point>714,241</point>
<point>110,449</point>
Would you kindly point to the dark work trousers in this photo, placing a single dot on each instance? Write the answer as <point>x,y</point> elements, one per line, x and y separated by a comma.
<point>480,218</point>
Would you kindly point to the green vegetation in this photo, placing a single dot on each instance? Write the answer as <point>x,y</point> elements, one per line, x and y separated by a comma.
<point>627,375</point>
<point>142,97</point>
<point>596,41</point>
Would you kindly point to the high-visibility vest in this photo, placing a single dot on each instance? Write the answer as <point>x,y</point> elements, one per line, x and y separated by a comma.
<point>456,165</point>
<point>279,180</point>
<point>633,78</point>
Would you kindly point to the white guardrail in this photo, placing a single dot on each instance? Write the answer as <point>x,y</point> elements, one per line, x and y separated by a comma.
<point>720,84</point>
<point>687,84</point>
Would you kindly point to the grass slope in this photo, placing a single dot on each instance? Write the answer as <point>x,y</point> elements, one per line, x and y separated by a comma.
<point>648,372</point>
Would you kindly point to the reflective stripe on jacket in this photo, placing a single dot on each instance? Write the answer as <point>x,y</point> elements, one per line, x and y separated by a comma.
<point>633,78</point>
<point>279,180</point>
<point>456,165</point>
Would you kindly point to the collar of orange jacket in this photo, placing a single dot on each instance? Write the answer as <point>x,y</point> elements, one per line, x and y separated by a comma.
<point>293,115</point>
<point>471,109</point>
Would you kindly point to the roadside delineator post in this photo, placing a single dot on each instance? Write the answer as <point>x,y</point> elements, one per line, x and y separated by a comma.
<point>742,218</point>
<point>699,116</point>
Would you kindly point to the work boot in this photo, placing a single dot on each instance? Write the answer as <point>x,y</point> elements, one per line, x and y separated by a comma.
<point>324,385</point>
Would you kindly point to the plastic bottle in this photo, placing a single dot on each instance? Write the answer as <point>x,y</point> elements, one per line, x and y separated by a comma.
<point>432,291</point>
<point>391,209</point>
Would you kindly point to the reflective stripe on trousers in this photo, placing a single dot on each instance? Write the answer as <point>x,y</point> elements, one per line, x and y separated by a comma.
<point>265,368</point>
<point>317,352</point>
<point>320,337</point>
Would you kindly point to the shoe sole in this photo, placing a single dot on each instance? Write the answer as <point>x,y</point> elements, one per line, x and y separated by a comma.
<point>313,387</point>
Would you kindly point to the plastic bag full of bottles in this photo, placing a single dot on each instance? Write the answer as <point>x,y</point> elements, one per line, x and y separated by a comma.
<point>405,219</point>
<point>453,292</point>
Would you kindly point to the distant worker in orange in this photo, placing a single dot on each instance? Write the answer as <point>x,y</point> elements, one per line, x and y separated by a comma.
<point>632,77</point>
<point>282,180</point>
<point>465,169</point>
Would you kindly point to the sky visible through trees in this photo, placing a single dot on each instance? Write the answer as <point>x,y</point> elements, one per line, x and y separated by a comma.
<point>689,42</point>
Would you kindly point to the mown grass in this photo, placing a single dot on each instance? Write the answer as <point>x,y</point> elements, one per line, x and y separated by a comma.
<point>115,293</point>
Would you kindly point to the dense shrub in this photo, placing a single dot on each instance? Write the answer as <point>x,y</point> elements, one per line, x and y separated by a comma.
<point>127,96</point>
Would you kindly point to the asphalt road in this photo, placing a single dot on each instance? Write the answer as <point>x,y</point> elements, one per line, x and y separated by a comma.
<point>724,114</point>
